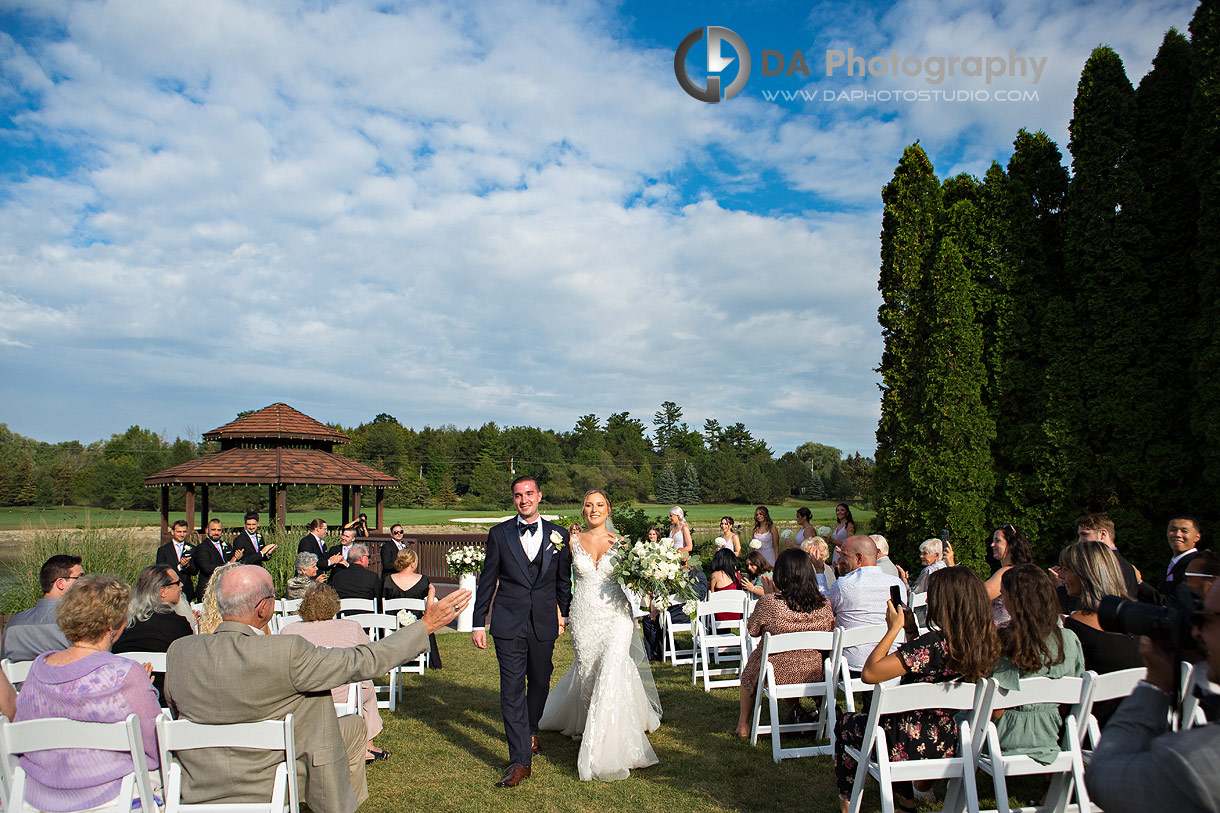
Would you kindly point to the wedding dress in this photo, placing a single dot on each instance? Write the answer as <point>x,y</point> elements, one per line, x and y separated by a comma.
<point>607,699</point>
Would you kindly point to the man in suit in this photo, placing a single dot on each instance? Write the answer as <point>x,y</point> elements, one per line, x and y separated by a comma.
<point>1140,764</point>
<point>211,553</point>
<point>315,542</point>
<point>529,558</point>
<point>356,580</point>
<point>250,542</point>
<point>265,677</point>
<point>391,549</point>
<point>1184,534</point>
<point>176,553</point>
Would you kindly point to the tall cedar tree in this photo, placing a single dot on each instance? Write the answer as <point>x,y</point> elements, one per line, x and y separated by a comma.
<point>908,225</point>
<point>1103,261</point>
<point>1163,104</point>
<point>1203,139</point>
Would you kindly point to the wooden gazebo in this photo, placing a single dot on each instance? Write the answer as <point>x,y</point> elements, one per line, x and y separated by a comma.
<point>276,446</point>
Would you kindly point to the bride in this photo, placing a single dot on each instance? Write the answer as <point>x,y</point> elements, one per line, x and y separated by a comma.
<point>607,699</point>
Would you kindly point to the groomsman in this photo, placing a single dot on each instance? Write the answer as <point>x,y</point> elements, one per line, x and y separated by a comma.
<point>1184,534</point>
<point>250,542</point>
<point>177,553</point>
<point>391,549</point>
<point>315,542</point>
<point>211,553</point>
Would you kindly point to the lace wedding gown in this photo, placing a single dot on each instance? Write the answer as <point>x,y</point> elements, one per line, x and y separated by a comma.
<point>607,699</point>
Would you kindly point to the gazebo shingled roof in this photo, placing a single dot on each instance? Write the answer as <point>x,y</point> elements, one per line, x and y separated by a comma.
<point>275,446</point>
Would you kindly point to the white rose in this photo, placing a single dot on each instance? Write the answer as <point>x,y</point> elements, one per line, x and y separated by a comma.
<point>755,544</point>
<point>690,607</point>
<point>406,617</point>
<point>669,540</point>
<point>556,537</point>
<point>786,534</point>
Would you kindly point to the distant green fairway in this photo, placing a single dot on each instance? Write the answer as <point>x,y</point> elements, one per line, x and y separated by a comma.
<point>17,518</point>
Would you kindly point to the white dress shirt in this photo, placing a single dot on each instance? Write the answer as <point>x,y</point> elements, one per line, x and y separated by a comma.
<point>530,542</point>
<point>858,600</point>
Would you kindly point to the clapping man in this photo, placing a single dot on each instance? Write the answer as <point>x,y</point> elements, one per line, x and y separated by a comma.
<point>250,542</point>
<point>315,542</point>
<point>211,553</point>
<point>176,553</point>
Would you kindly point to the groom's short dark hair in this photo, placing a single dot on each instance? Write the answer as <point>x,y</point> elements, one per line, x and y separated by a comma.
<point>525,478</point>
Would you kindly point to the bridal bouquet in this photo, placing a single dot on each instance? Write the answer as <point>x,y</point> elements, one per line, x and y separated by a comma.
<point>464,560</point>
<point>652,569</point>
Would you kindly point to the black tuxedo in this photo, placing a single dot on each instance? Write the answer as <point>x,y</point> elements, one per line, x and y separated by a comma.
<point>207,559</point>
<point>1169,584</point>
<point>525,624</point>
<point>310,544</point>
<point>389,552</point>
<point>355,581</point>
<point>167,554</point>
<point>243,542</point>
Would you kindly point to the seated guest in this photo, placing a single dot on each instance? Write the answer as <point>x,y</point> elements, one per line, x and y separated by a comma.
<point>1090,572</point>
<point>305,577</point>
<point>651,628</point>
<point>1202,573</point>
<point>724,576</point>
<point>858,597</point>
<point>796,606</point>
<point>819,553</point>
<point>883,557</point>
<point>32,632</point>
<point>86,682</point>
<point>319,626</point>
<point>1033,645</point>
<point>405,582</point>
<point>757,578</point>
<point>156,620</point>
<point>8,698</point>
<point>209,615</point>
<point>963,645</point>
<point>932,557</point>
<point>1010,547</point>
<point>356,580</point>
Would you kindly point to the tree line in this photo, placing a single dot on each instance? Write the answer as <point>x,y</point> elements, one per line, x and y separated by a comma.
<point>450,467</point>
<point>1050,337</point>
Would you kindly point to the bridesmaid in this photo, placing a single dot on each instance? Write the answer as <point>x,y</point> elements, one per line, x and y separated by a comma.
<point>727,538</point>
<point>679,530</point>
<point>765,533</point>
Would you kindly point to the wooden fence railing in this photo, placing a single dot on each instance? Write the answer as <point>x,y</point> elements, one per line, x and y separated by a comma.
<point>430,548</point>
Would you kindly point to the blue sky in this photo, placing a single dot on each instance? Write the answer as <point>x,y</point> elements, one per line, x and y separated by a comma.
<point>469,212</point>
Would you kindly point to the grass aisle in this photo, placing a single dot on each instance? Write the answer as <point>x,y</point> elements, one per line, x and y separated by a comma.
<point>448,749</point>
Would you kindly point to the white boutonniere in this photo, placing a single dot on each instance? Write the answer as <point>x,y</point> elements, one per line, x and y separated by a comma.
<point>557,540</point>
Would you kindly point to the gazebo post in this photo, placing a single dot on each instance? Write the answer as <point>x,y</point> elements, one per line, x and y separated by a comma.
<point>164,514</point>
<point>190,507</point>
<point>203,506</point>
<point>347,496</point>
<point>281,504</point>
<point>355,501</point>
<point>380,506</point>
<point>271,505</point>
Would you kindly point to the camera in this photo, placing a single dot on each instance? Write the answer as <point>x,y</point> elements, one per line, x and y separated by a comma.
<point>1172,623</point>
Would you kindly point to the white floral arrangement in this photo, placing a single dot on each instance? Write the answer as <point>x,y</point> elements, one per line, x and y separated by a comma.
<point>406,617</point>
<point>652,569</point>
<point>465,560</point>
<point>786,533</point>
<point>755,544</point>
<point>556,541</point>
<point>668,540</point>
<point>824,531</point>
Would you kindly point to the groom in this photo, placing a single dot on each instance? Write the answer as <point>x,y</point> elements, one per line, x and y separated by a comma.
<point>532,562</point>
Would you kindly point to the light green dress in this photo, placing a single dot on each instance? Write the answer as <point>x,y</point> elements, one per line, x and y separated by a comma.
<point>1034,730</point>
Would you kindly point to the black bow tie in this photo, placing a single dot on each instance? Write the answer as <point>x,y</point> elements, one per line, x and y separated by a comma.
<point>527,528</point>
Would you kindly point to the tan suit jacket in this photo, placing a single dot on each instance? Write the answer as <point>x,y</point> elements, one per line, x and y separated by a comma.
<point>236,675</point>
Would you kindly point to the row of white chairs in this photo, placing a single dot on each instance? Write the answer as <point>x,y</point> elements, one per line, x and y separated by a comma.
<point>173,736</point>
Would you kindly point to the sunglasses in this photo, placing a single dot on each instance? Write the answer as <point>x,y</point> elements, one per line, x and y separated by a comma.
<point>396,533</point>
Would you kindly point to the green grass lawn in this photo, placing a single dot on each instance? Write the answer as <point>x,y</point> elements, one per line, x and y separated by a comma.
<point>15,518</point>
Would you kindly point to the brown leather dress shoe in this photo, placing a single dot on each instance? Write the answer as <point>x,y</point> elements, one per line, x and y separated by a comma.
<point>535,745</point>
<point>513,776</point>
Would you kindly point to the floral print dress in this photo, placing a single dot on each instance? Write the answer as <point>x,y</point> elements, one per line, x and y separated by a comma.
<point>919,734</point>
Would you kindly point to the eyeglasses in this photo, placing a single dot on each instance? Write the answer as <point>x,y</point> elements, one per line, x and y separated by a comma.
<point>1008,528</point>
<point>264,598</point>
<point>71,578</point>
<point>172,584</point>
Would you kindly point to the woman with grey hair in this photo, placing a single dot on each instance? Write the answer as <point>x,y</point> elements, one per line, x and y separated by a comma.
<point>156,621</point>
<point>932,556</point>
<point>306,575</point>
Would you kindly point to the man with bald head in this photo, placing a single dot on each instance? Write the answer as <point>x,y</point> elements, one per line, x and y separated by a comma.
<point>858,598</point>
<point>239,674</point>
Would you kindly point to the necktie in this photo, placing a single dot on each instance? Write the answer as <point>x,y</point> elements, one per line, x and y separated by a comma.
<point>524,528</point>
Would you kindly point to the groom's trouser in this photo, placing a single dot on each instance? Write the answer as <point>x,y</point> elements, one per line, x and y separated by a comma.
<point>525,679</point>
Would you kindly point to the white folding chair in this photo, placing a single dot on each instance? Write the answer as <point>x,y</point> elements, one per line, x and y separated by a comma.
<point>176,736</point>
<point>157,659</point>
<point>1189,713</point>
<point>379,625</point>
<point>669,647</point>
<point>352,704</point>
<point>357,605</point>
<point>1067,769</point>
<point>1108,686</point>
<point>919,606</point>
<point>16,671</point>
<point>857,636</point>
<point>55,733</point>
<point>394,606</point>
<point>822,691</point>
<point>719,638</point>
<point>873,755</point>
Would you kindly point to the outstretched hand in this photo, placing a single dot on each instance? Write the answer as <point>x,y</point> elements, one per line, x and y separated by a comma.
<point>439,613</point>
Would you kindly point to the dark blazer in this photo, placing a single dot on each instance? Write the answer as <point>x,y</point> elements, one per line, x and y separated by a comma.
<point>355,581</point>
<point>206,559</point>
<point>153,635</point>
<point>389,552</point>
<point>167,555</point>
<point>1129,578</point>
<point>521,602</point>
<point>1169,584</point>
<point>310,544</point>
<point>242,541</point>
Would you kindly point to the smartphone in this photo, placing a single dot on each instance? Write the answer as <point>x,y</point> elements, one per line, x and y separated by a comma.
<point>896,596</point>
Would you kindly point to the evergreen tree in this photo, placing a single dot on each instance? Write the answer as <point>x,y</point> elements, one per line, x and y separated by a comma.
<point>667,485</point>
<point>667,421</point>
<point>814,489</point>
<point>721,476</point>
<point>912,206</point>
<point>688,489</point>
<point>27,486</point>
<point>446,495</point>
